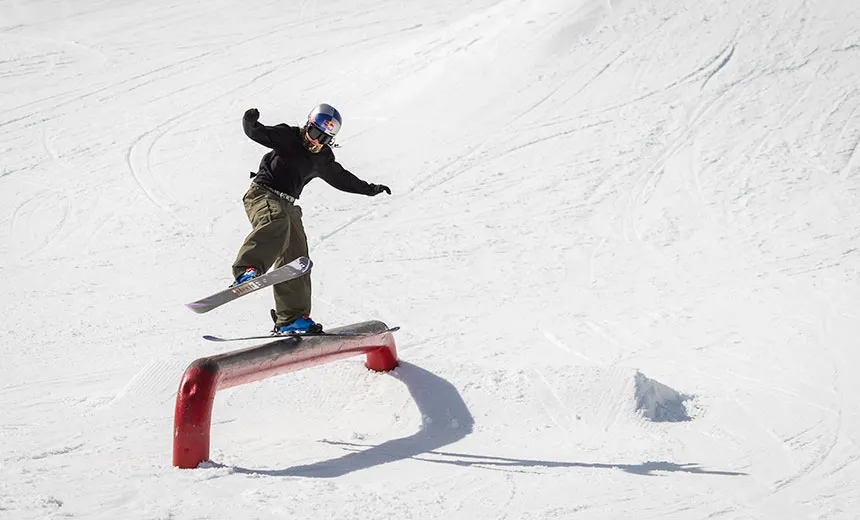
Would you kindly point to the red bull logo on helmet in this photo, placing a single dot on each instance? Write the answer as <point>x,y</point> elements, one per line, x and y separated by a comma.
<point>326,124</point>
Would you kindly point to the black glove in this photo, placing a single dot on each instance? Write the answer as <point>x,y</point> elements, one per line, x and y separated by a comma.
<point>376,189</point>
<point>253,114</point>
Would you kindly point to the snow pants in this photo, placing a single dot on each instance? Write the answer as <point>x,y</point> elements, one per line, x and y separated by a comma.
<point>277,238</point>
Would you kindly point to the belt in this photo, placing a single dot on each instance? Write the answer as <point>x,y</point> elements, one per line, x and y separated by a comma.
<point>281,194</point>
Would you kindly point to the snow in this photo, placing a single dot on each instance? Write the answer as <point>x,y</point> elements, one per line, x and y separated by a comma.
<point>623,247</point>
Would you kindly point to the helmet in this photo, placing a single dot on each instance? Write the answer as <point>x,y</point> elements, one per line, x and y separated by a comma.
<point>323,123</point>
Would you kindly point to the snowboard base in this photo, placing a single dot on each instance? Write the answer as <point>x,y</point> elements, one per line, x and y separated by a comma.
<point>292,270</point>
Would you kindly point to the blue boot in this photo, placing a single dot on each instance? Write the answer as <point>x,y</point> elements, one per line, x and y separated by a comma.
<point>303,325</point>
<point>251,272</point>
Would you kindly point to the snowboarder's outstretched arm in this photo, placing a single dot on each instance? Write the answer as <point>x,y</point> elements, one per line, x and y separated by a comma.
<point>339,177</point>
<point>262,134</point>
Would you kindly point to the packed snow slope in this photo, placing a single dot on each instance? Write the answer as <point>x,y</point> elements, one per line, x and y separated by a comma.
<point>623,247</point>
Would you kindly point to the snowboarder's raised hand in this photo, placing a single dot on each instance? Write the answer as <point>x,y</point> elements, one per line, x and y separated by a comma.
<point>376,189</point>
<point>253,114</point>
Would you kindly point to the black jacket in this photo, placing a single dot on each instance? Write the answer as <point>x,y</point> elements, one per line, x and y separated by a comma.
<point>289,166</point>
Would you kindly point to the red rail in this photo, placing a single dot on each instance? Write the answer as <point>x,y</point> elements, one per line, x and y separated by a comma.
<point>205,376</point>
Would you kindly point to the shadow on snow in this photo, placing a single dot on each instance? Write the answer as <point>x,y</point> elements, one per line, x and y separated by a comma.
<point>446,420</point>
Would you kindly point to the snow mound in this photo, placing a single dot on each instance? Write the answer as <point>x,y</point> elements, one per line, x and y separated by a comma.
<point>658,402</point>
<point>605,398</point>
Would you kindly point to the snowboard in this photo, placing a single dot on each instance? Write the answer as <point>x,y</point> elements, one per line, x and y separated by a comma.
<point>294,269</point>
<point>299,335</point>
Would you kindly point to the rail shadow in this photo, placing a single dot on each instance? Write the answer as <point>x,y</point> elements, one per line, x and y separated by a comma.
<point>446,420</point>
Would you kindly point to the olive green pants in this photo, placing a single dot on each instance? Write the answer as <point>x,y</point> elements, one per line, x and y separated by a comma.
<point>277,238</point>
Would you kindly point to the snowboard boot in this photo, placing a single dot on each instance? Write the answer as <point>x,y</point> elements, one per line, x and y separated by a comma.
<point>250,273</point>
<point>303,325</point>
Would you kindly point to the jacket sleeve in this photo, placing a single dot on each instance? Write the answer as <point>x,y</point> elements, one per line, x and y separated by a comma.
<point>339,177</point>
<point>262,134</point>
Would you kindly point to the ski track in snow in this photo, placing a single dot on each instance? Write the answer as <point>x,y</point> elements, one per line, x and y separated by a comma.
<point>139,162</point>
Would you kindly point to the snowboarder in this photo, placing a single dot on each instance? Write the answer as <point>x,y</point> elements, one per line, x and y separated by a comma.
<point>297,156</point>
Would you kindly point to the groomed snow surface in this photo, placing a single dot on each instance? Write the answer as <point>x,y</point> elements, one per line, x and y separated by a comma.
<point>623,246</point>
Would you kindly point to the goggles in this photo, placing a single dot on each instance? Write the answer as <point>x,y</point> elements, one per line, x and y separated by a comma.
<point>315,134</point>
